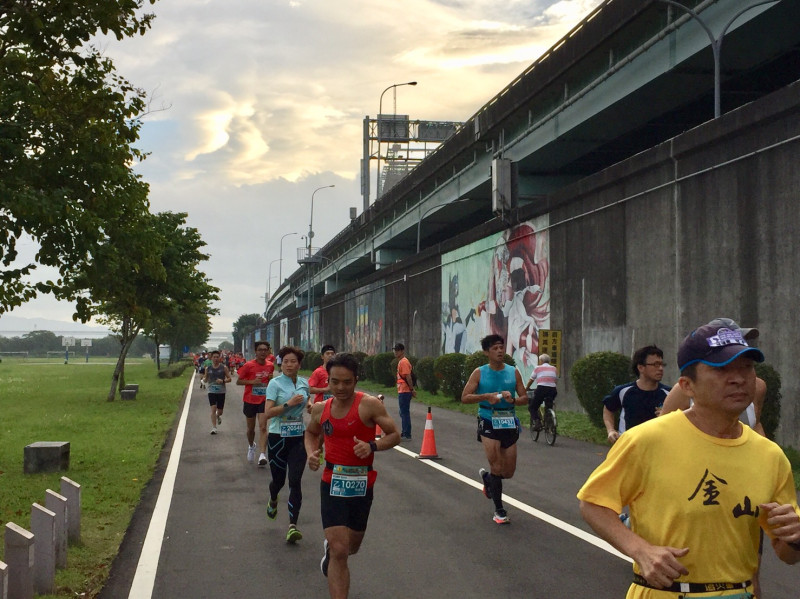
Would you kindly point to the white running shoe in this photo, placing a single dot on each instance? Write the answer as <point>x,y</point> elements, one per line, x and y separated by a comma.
<point>262,460</point>
<point>251,453</point>
<point>213,431</point>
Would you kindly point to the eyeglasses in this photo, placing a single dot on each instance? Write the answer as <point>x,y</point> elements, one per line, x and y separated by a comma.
<point>656,364</point>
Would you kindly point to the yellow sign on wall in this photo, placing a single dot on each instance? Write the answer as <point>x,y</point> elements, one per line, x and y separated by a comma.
<point>550,344</point>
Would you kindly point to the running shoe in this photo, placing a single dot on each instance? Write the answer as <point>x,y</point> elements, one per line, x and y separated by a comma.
<point>483,474</point>
<point>293,534</point>
<point>219,419</point>
<point>213,431</point>
<point>500,517</point>
<point>323,563</point>
<point>251,453</point>
<point>262,460</point>
<point>272,511</point>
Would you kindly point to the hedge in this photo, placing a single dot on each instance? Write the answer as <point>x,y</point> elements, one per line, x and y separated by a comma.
<point>594,376</point>
<point>360,355</point>
<point>175,369</point>
<point>771,412</point>
<point>382,369</point>
<point>425,376</point>
<point>449,369</point>
<point>312,360</point>
<point>367,364</point>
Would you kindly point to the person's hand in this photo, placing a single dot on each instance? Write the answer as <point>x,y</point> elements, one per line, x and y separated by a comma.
<point>413,392</point>
<point>495,398</point>
<point>361,449</point>
<point>783,521</point>
<point>295,400</point>
<point>313,460</point>
<point>660,565</point>
<point>612,437</point>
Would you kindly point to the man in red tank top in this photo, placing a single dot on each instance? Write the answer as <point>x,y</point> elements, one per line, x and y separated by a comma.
<point>346,422</point>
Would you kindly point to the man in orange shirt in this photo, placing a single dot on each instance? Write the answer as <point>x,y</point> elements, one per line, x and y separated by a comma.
<point>405,391</point>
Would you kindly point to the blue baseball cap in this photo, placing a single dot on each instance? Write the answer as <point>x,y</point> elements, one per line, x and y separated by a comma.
<point>716,344</point>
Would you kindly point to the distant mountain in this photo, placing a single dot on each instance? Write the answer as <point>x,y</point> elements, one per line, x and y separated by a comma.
<point>17,324</point>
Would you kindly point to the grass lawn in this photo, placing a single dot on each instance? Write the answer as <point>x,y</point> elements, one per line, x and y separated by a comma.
<point>113,450</point>
<point>570,424</point>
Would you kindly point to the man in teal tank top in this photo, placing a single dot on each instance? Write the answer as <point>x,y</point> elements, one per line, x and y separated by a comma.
<point>497,388</point>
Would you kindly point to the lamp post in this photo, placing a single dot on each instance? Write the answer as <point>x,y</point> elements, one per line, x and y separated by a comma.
<point>280,265</point>
<point>308,257</point>
<point>269,279</point>
<point>380,111</point>
<point>716,43</point>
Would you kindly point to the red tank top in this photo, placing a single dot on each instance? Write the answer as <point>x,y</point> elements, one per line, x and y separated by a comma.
<point>339,433</point>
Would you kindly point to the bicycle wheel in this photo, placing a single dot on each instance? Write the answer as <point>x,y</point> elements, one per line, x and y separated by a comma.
<point>550,424</point>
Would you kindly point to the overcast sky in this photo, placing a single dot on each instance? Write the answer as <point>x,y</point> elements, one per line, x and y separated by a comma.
<point>256,103</point>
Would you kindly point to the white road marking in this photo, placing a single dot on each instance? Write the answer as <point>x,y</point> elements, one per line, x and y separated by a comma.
<point>568,528</point>
<point>145,577</point>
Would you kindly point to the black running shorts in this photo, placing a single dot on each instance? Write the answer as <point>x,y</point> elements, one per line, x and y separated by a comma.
<point>352,512</point>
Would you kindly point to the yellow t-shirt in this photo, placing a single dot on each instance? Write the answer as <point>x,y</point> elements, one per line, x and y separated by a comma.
<point>689,489</point>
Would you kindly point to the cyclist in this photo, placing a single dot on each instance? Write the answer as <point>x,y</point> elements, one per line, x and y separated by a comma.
<point>544,376</point>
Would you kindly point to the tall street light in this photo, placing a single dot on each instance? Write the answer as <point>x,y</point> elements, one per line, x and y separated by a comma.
<point>269,277</point>
<point>280,264</point>
<point>380,112</point>
<point>311,220</point>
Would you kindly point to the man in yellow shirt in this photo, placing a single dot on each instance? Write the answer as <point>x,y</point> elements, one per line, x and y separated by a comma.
<point>695,518</point>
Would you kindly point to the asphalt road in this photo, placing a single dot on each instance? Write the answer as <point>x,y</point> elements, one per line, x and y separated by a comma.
<point>430,532</point>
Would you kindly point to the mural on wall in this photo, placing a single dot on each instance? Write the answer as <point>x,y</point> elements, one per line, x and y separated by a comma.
<point>500,284</point>
<point>284,332</point>
<point>364,314</point>
<point>311,343</point>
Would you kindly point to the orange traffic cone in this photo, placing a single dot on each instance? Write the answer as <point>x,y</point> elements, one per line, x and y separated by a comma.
<point>428,450</point>
<point>378,430</point>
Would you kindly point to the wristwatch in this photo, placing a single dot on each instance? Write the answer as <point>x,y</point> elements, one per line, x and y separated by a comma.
<point>373,446</point>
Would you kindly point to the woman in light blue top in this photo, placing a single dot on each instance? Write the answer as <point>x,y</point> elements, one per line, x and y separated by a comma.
<point>287,396</point>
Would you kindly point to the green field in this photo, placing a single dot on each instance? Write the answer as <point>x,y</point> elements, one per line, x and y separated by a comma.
<point>113,450</point>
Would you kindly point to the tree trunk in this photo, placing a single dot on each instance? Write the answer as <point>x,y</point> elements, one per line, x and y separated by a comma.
<point>128,335</point>
<point>158,352</point>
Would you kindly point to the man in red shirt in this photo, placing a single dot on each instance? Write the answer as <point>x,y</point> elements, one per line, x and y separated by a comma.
<point>255,375</point>
<point>318,381</point>
<point>347,422</point>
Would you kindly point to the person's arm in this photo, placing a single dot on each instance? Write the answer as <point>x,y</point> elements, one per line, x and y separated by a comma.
<point>376,412</point>
<point>530,380</point>
<point>608,420</point>
<point>785,528</point>
<point>676,399</point>
<point>313,436</point>
<point>659,565</point>
<point>406,376</point>
<point>227,375</point>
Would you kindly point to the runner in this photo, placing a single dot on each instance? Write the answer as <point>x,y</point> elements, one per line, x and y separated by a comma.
<point>348,421</point>
<point>255,375</point>
<point>493,386</point>
<point>214,379</point>
<point>318,381</point>
<point>287,395</point>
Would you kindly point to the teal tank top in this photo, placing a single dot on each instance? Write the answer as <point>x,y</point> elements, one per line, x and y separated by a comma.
<point>494,381</point>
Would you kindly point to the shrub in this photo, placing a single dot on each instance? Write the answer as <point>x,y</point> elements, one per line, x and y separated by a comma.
<point>312,360</point>
<point>449,369</point>
<point>382,367</point>
<point>175,369</point>
<point>427,379</point>
<point>360,355</point>
<point>594,376</point>
<point>771,412</point>
<point>367,364</point>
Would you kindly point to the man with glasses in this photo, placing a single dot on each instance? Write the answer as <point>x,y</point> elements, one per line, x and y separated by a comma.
<point>640,400</point>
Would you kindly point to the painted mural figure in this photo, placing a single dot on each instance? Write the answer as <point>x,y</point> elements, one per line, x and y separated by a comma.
<point>453,328</point>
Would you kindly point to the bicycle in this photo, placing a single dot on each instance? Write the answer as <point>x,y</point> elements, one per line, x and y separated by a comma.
<point>549,424</point>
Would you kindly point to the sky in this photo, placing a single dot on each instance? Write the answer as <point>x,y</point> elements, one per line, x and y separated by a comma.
<point>254,104</point>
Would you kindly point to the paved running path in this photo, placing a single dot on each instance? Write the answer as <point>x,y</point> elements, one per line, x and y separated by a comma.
<point>430,532</point>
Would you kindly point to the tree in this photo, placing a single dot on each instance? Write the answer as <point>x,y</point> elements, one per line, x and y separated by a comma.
<point>243,325</point>
<point>67,122</point>
<point>225,346</point>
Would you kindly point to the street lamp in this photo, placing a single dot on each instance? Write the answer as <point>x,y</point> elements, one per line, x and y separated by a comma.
<point>380,111</point>
<point>311,220</point>
<point>269,279</point>
<point>280,266</point>
<point>716,43</point>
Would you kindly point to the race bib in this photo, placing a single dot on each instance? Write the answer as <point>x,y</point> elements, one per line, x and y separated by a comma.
<point>259,391</point>
<point>349,481</point>
<point>292,427</point>
<point>503,420</point>
<point>216,388</point>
